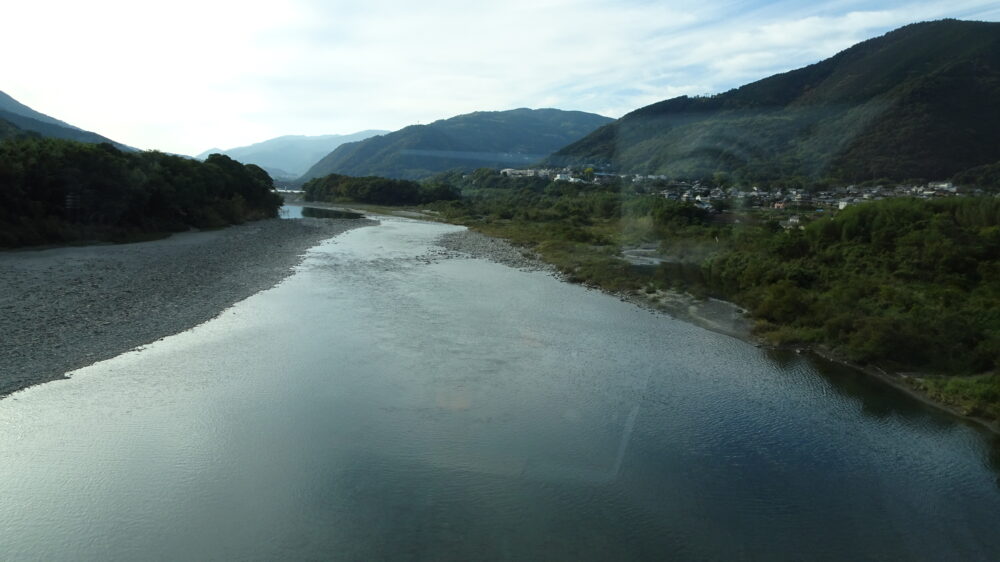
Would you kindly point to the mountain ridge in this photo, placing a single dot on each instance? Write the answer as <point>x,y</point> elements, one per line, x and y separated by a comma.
<point>9,104</point>
<point>917,102</point>
<point>27,119</point>
<point>516,137</point>
<point>289,156</point>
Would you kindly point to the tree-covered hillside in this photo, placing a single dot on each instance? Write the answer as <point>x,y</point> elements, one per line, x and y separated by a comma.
<point>27,119</point>
<point>9,130</point>
<point>375,190</point>
<point>54,191</point>
<point>500,139</point>
<point>919,102</point>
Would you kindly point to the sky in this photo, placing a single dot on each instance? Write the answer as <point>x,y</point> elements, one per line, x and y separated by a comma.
<point>188,75</point>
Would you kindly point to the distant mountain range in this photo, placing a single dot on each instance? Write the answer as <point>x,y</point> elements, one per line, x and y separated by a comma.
<point>17,119</point>
<point>922,101</point>
<point>514,138</point>
<point>290,156</point>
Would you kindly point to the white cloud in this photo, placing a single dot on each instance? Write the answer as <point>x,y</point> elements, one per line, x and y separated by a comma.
<point>189,75</point>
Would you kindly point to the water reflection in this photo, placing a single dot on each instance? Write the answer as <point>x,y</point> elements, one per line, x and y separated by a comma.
<point>299,211</point>
<point>875,398</point>
<point>378,405</point>
<point>317,213</point>
<point>880,401</point>
<point>993,457</point>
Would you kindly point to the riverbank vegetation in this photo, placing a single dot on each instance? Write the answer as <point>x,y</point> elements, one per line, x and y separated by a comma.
<point>58,191</point>
<point>336,188</point>
<point>906,284</point>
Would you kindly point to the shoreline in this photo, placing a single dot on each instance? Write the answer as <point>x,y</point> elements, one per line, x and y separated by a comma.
<point>717,324</point>
<point>711,314</point>
<point>900,382</point>
<point>68,307</point>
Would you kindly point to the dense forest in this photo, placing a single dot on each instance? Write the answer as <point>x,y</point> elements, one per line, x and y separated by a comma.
<point>375,190</point>
<point>55,191</point>
<point>986,177</point>
<point>906,284</point>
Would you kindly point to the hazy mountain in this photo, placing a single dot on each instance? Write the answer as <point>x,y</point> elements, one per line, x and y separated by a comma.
<point>290,156</point>
<point>920,102</point>
<point>10,130</point>
<point>27,119</point>
<point>483,139</point>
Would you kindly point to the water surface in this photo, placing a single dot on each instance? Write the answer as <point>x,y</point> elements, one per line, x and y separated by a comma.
<point>299,211</point>
<point>387,403</point>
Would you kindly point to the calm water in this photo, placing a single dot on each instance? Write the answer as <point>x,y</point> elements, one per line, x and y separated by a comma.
<point>298,212</point>
<point>383,403</point>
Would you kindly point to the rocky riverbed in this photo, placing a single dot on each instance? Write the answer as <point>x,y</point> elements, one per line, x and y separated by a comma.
<point>65,308</point>
<point>478,245</point>
<point>711,314</point>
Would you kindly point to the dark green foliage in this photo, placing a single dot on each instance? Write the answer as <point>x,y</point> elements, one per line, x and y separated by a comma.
<point>976,395</point>
<point>535,199</point>
<point>54,191</point>
<point>985,177</point>
<point>919,102</point>
<point>499,139</point>
<point>376,190</point>
<point>904,282</point>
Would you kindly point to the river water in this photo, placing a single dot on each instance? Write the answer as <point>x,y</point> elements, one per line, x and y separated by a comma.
<point>386,402</point>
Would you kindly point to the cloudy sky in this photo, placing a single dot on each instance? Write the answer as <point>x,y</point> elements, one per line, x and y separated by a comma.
<point>188,75</point>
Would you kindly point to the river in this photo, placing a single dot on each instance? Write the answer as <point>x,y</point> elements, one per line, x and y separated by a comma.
<point>388,402</point>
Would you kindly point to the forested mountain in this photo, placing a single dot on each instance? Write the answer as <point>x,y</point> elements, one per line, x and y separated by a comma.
<point>27,119</point>
<point>9,130</point>
<point>289,157</point>
<point>922,101</point>
<point>483,139</point>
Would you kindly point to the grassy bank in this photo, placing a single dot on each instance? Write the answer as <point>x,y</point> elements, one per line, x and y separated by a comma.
<point>976,396</point>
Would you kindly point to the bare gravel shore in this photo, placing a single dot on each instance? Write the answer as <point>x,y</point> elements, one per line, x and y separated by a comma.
<point>712,314</point>
<point>500,251</point>
<point>64,308</point>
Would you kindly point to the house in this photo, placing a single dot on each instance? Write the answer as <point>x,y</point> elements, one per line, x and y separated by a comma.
<point>512,173</point>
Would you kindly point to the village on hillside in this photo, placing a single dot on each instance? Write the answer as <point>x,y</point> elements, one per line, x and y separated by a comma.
<point>715,198</point>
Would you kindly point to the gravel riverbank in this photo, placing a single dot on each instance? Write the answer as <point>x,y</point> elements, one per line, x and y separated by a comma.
<point>64,308</point>
<point>485,247</point>
<point>711,314</point>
